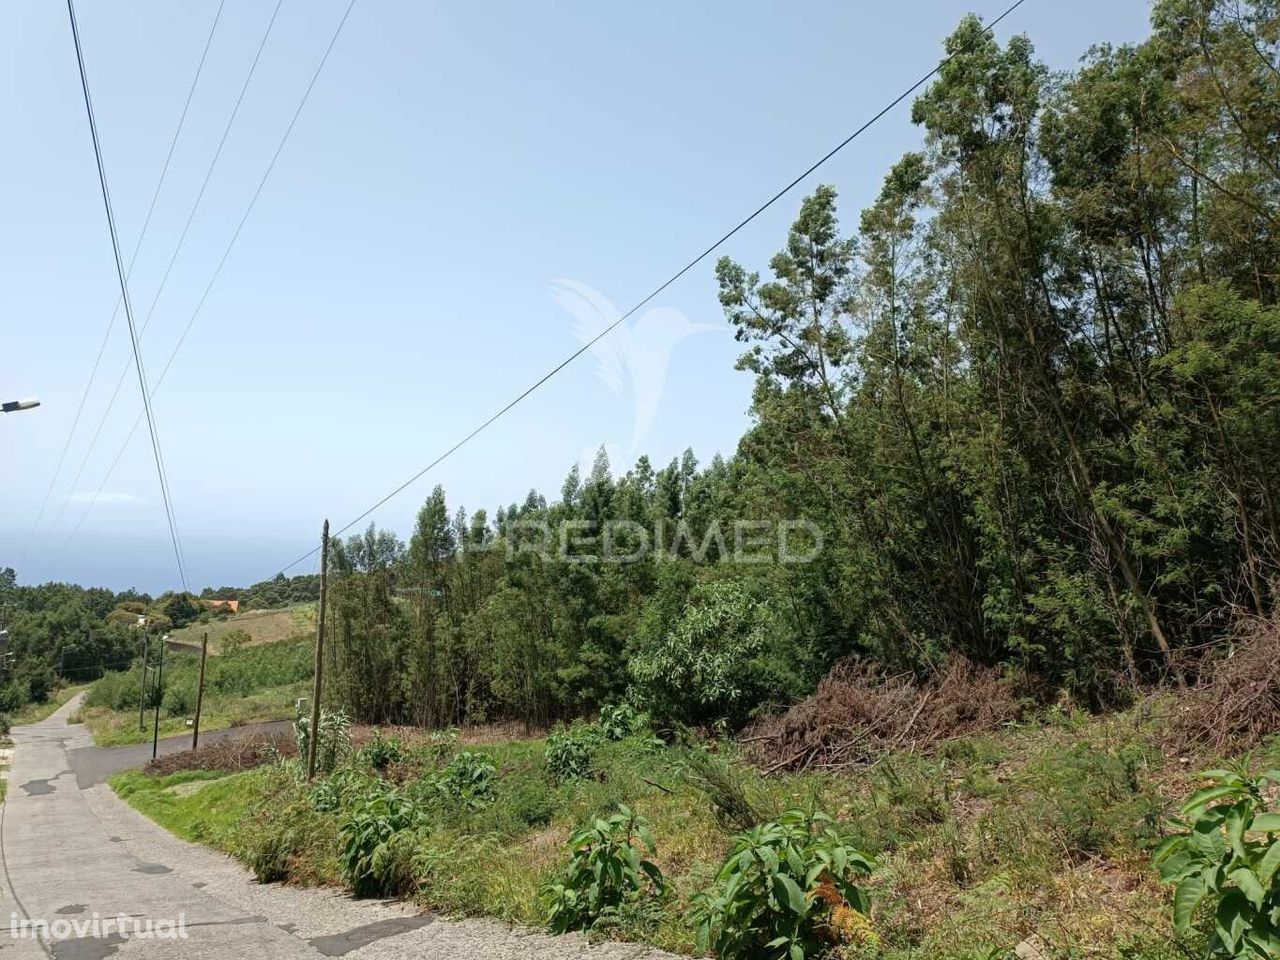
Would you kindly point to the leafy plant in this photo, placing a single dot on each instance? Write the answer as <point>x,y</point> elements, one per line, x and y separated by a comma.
<point>605,871</point>
<point>1228,852</point>
<point>334,742</point>
<point>381,751</point>
<point>468,779</point>
<point>569,751</point>
<point>441,744</point>
<point>373,816</point>
<point>621,721</point>
<point>787,891</point>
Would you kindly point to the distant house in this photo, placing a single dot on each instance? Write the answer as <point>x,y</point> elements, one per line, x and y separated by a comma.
<point>232,605</point>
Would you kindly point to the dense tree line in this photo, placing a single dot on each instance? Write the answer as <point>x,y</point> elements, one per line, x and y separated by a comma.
<point>57,632</point>
<point>1032,404</point>
<point>279,591</point>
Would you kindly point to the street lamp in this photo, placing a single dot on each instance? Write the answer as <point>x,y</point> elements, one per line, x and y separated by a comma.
<point>13,406</point>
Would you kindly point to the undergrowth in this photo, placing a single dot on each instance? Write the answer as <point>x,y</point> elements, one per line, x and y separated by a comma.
<point>1037,835</point>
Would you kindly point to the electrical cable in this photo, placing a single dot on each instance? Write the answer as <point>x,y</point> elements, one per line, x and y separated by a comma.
<point>663,286</point>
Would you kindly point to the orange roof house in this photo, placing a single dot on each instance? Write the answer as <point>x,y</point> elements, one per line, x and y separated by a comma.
<point>232,605</point>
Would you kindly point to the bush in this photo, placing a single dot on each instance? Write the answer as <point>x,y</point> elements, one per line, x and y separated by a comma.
<point>380,752</point>
<point>468,780</point>
<point>375,813</point>
<point>622,721</point>
<point>4,724</point>
<point>1228,853</point>
<point>713,664</point>
<point>334,743</point>
<point>233,641</point>
<point>787,891</point>
<point>569,752</point>
<point>605,872</point>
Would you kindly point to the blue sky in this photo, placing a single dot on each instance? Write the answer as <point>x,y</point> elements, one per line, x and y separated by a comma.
<point>395,283</point>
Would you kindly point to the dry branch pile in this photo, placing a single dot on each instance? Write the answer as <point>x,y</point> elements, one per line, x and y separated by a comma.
<point>231,754</point>
<point>857,714</point>
<point>1237,700</point>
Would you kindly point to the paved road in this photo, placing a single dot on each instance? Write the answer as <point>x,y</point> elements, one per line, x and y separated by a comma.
<point>82,862</point>
<point>93,765</point>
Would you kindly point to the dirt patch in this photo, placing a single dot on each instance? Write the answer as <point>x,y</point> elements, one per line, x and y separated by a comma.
<point>857,715</point>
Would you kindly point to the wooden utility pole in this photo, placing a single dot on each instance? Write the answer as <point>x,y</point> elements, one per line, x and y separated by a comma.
<point>155,730</point>
<point>142,686</point>
<point>195,729</point>
<point>313,732</point>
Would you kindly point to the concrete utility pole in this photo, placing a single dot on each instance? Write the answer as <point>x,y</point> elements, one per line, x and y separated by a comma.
<point>313,734</point>
<point>204,653</point>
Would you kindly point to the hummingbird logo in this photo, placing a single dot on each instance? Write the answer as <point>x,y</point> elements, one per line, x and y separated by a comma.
<point>636,355</point>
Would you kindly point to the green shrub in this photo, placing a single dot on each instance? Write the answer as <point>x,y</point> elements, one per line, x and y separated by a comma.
<point>373,816</point>
<point>468,780</point>
<point>605,871</point>
<point>713,664</point>
<point>1228,853</point>
<point>787,891</point>
<point>380,752</point>
<point>441,745</point>
<point>621,721</point>
<point>569,752</point>
<point>334,743</point>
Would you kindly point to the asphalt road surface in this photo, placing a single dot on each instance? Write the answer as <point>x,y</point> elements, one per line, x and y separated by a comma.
<point>85,877</point>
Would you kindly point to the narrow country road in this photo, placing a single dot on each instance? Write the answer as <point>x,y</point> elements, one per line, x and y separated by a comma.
<point>78,864</point>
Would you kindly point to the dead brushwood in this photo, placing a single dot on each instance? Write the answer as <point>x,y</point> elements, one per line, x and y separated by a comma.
<point>1236,702</point>
<point>858,714</point>
<point>232,754</point>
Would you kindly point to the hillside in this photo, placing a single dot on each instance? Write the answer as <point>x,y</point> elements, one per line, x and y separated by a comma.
<point>262,626</point>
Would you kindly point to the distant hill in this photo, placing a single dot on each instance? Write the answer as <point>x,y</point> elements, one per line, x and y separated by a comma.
<point>262,626</point>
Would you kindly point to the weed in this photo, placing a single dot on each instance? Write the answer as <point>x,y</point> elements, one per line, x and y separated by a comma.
<point>1227,852</point>
<point>787,891</point>
<point>605,872</point>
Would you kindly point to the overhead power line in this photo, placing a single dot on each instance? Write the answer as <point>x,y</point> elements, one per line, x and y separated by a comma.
<point>660,288</point>
<point>137,247</point>
<point>293,120</point>
<point>164,280</point>
<point>124,295</point>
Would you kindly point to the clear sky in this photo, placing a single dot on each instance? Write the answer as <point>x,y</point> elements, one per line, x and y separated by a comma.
<point>401,275</point>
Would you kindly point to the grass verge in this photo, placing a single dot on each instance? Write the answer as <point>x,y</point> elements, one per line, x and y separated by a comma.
<point>1037,836</point>
<point>35,712</point>
<point>250,685</point>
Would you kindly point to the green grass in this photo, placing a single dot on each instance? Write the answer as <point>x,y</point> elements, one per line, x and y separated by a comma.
<point>115,728</point>
<point>263,626</point>
<point>1042,829</point>
<point>253,684</point>
<point>35,712</point>
<point>209,815</point>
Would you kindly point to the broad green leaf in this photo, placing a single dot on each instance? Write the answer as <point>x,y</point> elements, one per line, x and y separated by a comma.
<point>1270,862</point>
<point>789,892</point>
<point>1186,898</point>
<point>1231,919</point>
<point>1167,846</point>
<point>1266,823</point>
<point>1203,797</point>
<point>1248,884</point>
